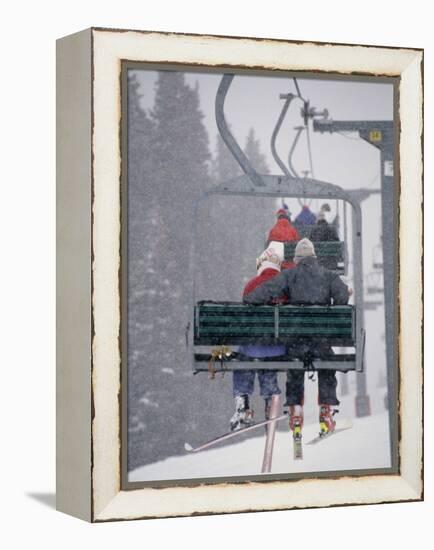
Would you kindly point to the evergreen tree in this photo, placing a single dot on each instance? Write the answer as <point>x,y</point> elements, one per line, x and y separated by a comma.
<point>219,223</point>
<point>166,404</point>
<point>224,166</point>
<point>181,145</point>
<point>258,214</point>
<point>237,225</point>
<point>182,165</point>
<point>148,300</point>
<point>141,302</point>
<point>168,169</point>
<point>254,154</point>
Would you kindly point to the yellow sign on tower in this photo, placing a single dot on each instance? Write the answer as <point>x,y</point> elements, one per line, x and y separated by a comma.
<point>375,135</point>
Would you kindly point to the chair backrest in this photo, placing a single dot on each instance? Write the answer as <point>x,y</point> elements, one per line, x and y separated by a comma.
<point>323,249</point>
<point>330,254</point>
<point>235,323</point>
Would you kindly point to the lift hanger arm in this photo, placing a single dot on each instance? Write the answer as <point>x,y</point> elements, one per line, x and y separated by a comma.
<point>227,136</point>
<point>288,98</point>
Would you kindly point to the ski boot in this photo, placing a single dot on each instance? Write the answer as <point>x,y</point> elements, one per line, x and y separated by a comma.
<point>327,423</point>
<point>243,415</point>
<point>296,420</point>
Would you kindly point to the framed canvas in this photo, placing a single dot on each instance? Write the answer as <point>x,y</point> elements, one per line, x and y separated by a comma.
<point>236,212</point>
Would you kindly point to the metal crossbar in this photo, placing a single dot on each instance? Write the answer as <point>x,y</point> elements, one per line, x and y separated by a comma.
<point>345,364</point>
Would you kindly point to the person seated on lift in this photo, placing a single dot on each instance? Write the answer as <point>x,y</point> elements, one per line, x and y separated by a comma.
<point>307,284</point>
<point>268,266</point>
<point>324,231</point>
<point>283,231</point>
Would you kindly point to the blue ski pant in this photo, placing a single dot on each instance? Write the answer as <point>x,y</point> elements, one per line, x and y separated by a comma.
<point>244,380</point>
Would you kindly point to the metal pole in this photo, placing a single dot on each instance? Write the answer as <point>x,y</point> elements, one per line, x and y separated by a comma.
<point>271,432</point>
<point>390,261</point>
<point>362,401</point>
<point>346,259</point>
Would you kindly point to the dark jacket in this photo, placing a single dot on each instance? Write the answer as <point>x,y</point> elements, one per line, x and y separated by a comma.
<point>309,283</point>
<point>323,232</point>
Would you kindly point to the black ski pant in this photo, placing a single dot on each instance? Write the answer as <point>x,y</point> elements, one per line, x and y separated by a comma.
<point>327,384</point>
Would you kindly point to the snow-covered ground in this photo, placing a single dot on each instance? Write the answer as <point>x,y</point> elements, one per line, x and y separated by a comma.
<point>364,446</point>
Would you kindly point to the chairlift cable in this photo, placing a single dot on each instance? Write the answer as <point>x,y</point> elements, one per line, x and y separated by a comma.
<point>309,148</point>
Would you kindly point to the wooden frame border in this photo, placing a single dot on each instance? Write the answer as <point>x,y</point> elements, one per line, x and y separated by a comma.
<point>89,211</point>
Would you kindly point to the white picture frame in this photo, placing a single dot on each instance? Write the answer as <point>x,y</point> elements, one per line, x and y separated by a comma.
<point>89,302</point>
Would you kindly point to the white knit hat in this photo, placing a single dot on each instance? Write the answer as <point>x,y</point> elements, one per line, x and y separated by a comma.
<point>304,249</point>
<point>270,258</point>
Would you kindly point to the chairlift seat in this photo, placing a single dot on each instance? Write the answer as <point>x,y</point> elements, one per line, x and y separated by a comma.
<point>316,328</point>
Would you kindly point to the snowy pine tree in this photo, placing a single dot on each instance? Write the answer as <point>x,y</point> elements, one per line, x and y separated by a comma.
<point>165,401</point>
<point>224,166</point>
<point>254,154</point>
<point>259,212</point>
<point>181,145</point>
<point>146,288</point>
<point>219,228</point>
<point>168,169</point>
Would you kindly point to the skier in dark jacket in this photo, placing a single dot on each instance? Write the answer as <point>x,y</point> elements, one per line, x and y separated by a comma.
<point>323,231</point>
<point>310,284</point>
<point>268,266</point>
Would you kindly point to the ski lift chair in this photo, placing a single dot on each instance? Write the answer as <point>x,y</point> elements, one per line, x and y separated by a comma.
<point>216,329</point>
<point>219,328</point>
<point>306,219</point>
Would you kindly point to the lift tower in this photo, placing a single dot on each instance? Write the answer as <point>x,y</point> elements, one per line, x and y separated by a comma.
<point>380,134</point>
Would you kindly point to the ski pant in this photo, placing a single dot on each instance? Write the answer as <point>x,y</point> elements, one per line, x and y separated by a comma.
<point>327,384</point>
<point>243,382</point>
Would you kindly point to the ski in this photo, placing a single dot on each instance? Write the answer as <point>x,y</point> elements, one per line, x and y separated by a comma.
<point>298,448</point>
<point>297,442</point>
<point>229,435</point>
<point>321,437</point>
